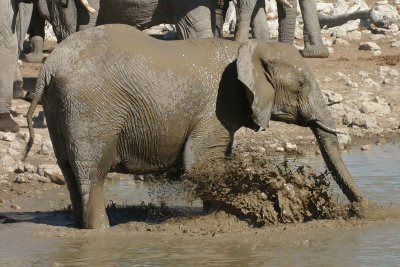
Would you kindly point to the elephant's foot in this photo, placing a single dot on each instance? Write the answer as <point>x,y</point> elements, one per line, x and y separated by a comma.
<point>95,216</point>
<point>34,57</point>
<point>7,124</point>
<point>315,51</point>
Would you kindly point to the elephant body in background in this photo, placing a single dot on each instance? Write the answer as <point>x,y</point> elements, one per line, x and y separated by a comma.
<point>135,104</point>
<point>193,18</point>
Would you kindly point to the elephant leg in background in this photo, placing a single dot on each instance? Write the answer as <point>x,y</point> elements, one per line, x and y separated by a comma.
<point>244,13</point>
<point>22,23</point>
<point>193,22</point>
<point>251,13</point>
<point>36,31</point>
<point>287,21</point>
<point>313,45</point>
<point>259,22</point>
<point>8,56</point>
<point>218,17</point>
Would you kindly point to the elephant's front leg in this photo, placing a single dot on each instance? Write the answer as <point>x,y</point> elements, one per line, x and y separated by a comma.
<point>208,143</point>
<point>313,45</point>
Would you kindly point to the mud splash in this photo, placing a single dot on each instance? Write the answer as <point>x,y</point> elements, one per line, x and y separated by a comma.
<point>262,192</point>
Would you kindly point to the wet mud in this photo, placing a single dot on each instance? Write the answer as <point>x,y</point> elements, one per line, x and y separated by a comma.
<point>262,191</point>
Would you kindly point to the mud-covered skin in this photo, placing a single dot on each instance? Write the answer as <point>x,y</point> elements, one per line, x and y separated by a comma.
<point>136,104</point>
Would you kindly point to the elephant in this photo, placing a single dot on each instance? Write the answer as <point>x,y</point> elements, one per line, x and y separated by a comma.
<point>9,58</point>
<point>194,19</point>
<point>252,13</point>
<point>139,105</point>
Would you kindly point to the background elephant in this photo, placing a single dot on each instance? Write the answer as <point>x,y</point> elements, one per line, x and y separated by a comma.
<point>122,106</point>
<point>252,13</point>
<point>9,58</point>
<point>194,19</point>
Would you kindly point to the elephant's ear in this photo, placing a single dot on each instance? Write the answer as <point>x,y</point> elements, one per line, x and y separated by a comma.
<point>259,90</point>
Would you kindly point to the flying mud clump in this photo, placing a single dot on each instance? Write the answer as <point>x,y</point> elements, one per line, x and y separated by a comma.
<point>263,192</point>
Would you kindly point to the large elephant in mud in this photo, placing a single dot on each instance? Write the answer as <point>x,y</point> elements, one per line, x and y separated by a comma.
<point>122,106</point>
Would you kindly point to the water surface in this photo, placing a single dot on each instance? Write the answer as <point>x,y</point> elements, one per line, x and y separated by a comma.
<point>377,172</point>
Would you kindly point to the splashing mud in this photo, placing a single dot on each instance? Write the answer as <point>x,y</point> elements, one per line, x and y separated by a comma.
<point>262,192</point>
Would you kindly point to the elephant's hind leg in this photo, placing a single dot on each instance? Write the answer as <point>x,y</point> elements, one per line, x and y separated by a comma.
<point>74,194</point>
<point>80,189</point>
<point>90,177</point>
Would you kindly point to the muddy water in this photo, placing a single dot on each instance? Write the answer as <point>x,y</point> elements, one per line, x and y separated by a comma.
<point>46,241</point>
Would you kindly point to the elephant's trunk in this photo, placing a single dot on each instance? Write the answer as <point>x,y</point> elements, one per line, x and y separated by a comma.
<point>329,146</point>
<point>322,125</point>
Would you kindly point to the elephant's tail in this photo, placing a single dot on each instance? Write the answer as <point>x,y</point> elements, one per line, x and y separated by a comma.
<point>42,82</point>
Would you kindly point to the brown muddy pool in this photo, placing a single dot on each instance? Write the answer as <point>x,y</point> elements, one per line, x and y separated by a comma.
<point>47,238</point>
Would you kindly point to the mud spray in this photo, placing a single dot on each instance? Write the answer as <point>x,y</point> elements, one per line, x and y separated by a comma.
<point>264,192</point>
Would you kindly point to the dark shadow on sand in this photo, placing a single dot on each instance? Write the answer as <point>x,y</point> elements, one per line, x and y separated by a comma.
<point>151,214</point>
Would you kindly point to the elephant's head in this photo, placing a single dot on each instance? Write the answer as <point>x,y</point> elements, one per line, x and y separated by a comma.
<point>280,86</point>
<point>62,15</point>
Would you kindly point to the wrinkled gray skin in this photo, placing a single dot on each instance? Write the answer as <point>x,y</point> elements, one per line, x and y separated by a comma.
<point>8,52</point>
<point>122,106</point>
<point>252,13</point>
<point>193,18</point>
<point>9,71</point>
